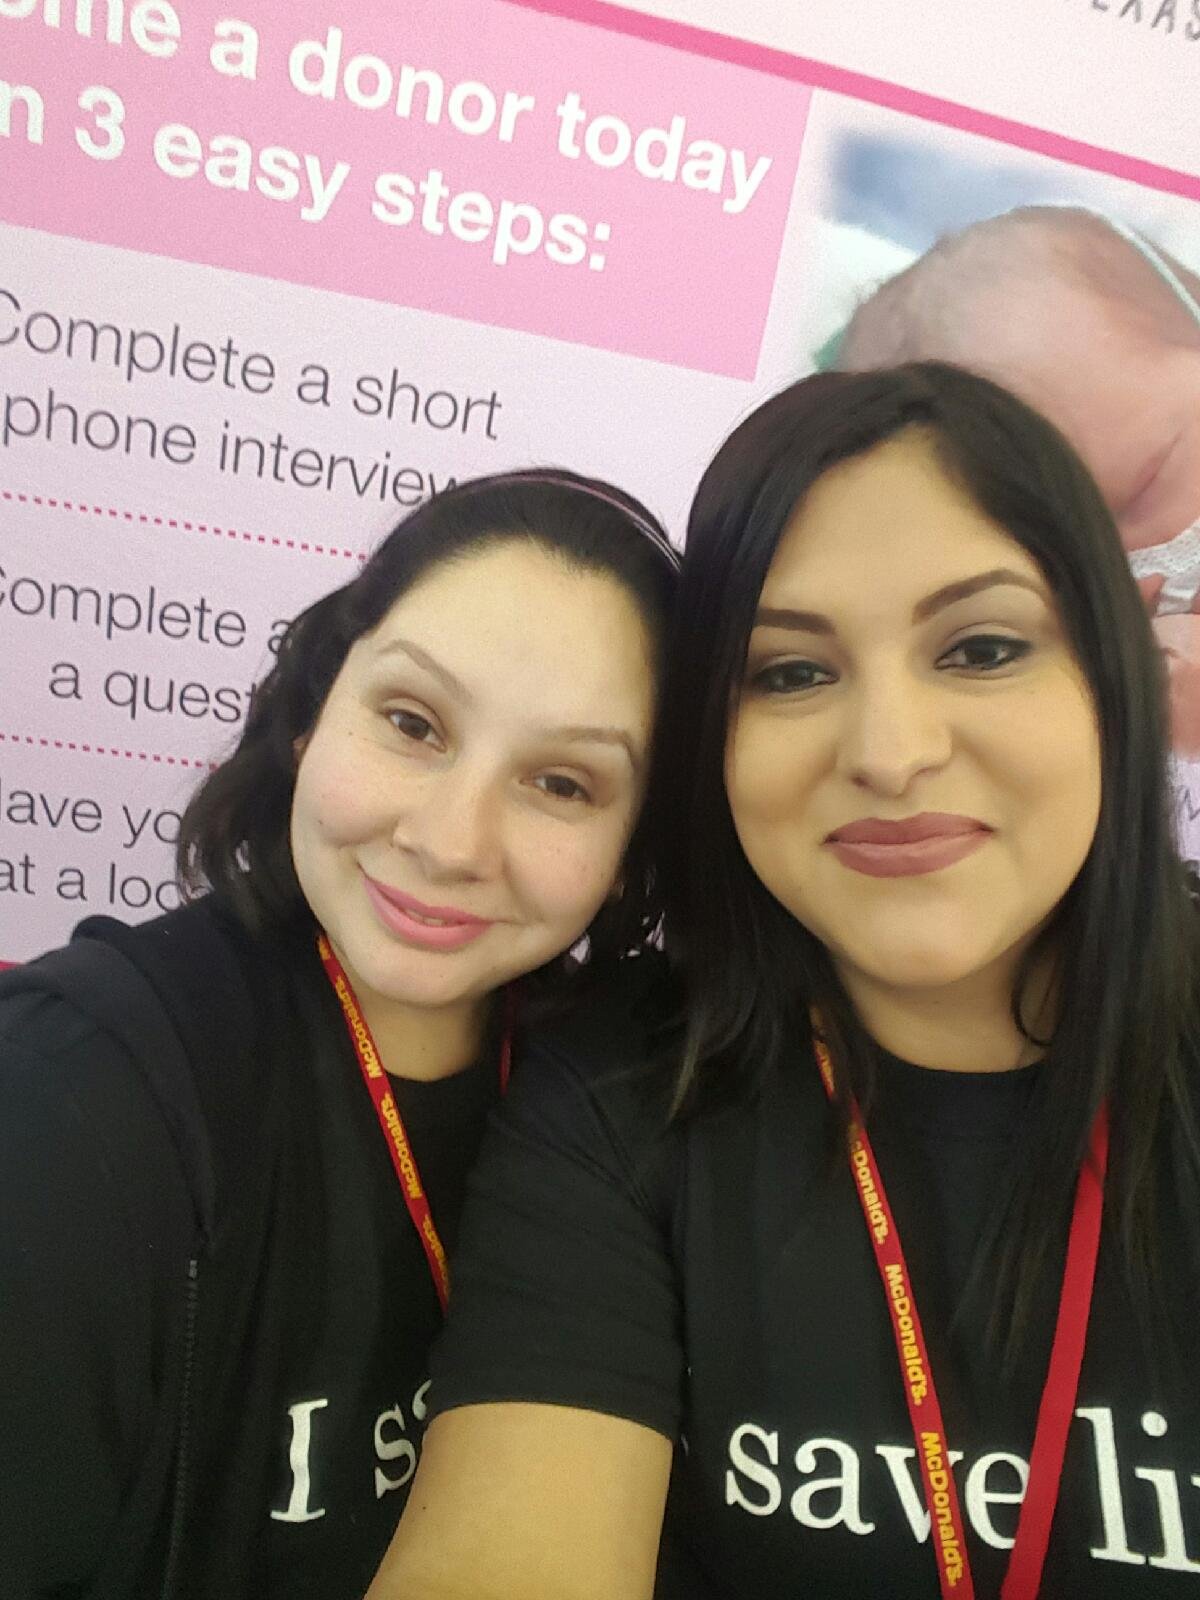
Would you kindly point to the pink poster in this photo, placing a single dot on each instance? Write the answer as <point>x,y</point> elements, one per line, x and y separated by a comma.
<point>266,282</point>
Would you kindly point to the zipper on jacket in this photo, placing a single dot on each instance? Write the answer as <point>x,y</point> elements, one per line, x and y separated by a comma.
<point>183,1463</point>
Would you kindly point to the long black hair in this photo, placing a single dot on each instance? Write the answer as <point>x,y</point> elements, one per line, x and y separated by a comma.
<point>1124,937</point>
<point>234,835</point>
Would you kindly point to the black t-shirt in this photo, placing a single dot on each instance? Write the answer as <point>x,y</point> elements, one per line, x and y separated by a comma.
<point>311,1408</point>
<point>350,1388</point>
<point>715,1281</point>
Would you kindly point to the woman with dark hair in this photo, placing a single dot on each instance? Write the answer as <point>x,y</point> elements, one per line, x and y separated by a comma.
<point>234,1141</point>
<point>885,1208</point>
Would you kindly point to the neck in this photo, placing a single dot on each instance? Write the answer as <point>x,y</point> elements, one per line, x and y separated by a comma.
<point>424,1042</point>
<point>966,1026</point>
<point>425,1045</point>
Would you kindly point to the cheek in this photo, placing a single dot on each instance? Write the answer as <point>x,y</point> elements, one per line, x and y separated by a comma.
<point>335,801</point>
<point>569,879</point>
<point>1055,767</point>
<point>741,788</point>
<point>318,815</point>
<point>765,777</point>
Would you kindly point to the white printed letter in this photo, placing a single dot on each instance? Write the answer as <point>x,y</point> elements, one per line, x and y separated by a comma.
<point>396,1448</point>
<point>754,1470</point>
<point>1112,1508</point>
<point>234,50</point>
<point>846,1483</point>
<point>979,1497</point>
<point>297,1506</point>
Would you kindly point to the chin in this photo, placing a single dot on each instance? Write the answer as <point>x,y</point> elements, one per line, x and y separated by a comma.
<point>928,975</point>
<point>413,982</point>
<point>920,965</point>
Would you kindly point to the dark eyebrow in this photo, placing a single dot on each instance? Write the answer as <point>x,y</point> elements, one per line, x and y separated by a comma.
<point>572,733</point>
<point>579,734</point>
<point>966,587</point>
<point>814,622</point>
<point>425,660</point>
<point>799,621</point>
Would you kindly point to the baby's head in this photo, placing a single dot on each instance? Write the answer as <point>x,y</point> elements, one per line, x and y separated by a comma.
<point>1084,323</point>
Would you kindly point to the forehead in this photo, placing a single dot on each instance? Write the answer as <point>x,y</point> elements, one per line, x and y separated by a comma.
<point>490,581</point>
<point>882,531</point>
<point>517,620</point>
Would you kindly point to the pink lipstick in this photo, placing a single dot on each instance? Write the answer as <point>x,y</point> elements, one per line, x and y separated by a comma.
<point>906,849</point>
<point>429,927</point>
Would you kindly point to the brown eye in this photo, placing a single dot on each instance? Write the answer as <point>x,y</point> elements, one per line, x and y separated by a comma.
<point>790,677</point>
<point>561,787</point>
<point>411,724</point>
<point>986,652</point>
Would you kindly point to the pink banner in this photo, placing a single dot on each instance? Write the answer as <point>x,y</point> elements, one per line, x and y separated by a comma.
<point>896,96</point>
<point>478,161</point>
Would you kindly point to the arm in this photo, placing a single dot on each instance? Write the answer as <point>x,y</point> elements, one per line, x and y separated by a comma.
<point>557,1382</point>
<point>536,1501</point>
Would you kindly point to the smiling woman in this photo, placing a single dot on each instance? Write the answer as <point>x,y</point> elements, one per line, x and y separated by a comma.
<point>471,783</point>
<point>917,689</point>
<point>892,1224</point>
<point>234,1141</point>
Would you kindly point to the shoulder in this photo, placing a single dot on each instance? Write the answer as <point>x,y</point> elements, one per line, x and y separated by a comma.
<point>199,958</point>
<point>113,1027</point>
<point>614,1020</point>
<point>102,983</point>
<point>77,1026</point>
<point>80,1117</point>
<point>596,1082</point>
<point>52,1052</point>
<point>204,927</point>
<point>566,1290</point>
<point>203,943</point>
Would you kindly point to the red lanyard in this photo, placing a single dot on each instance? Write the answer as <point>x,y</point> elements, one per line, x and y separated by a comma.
<point>390,1120</point>
<point>1057,1406</point>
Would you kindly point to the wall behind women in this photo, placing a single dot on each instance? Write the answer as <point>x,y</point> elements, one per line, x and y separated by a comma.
<point>268,279</point>
<point>1118,73</point>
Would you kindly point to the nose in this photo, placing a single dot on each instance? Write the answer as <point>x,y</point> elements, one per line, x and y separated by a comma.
<point>894,729</point>
<point>455,830</point>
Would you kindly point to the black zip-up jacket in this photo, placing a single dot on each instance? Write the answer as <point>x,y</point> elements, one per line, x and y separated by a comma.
<point>199,1229</point>
<point>158,997</point>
